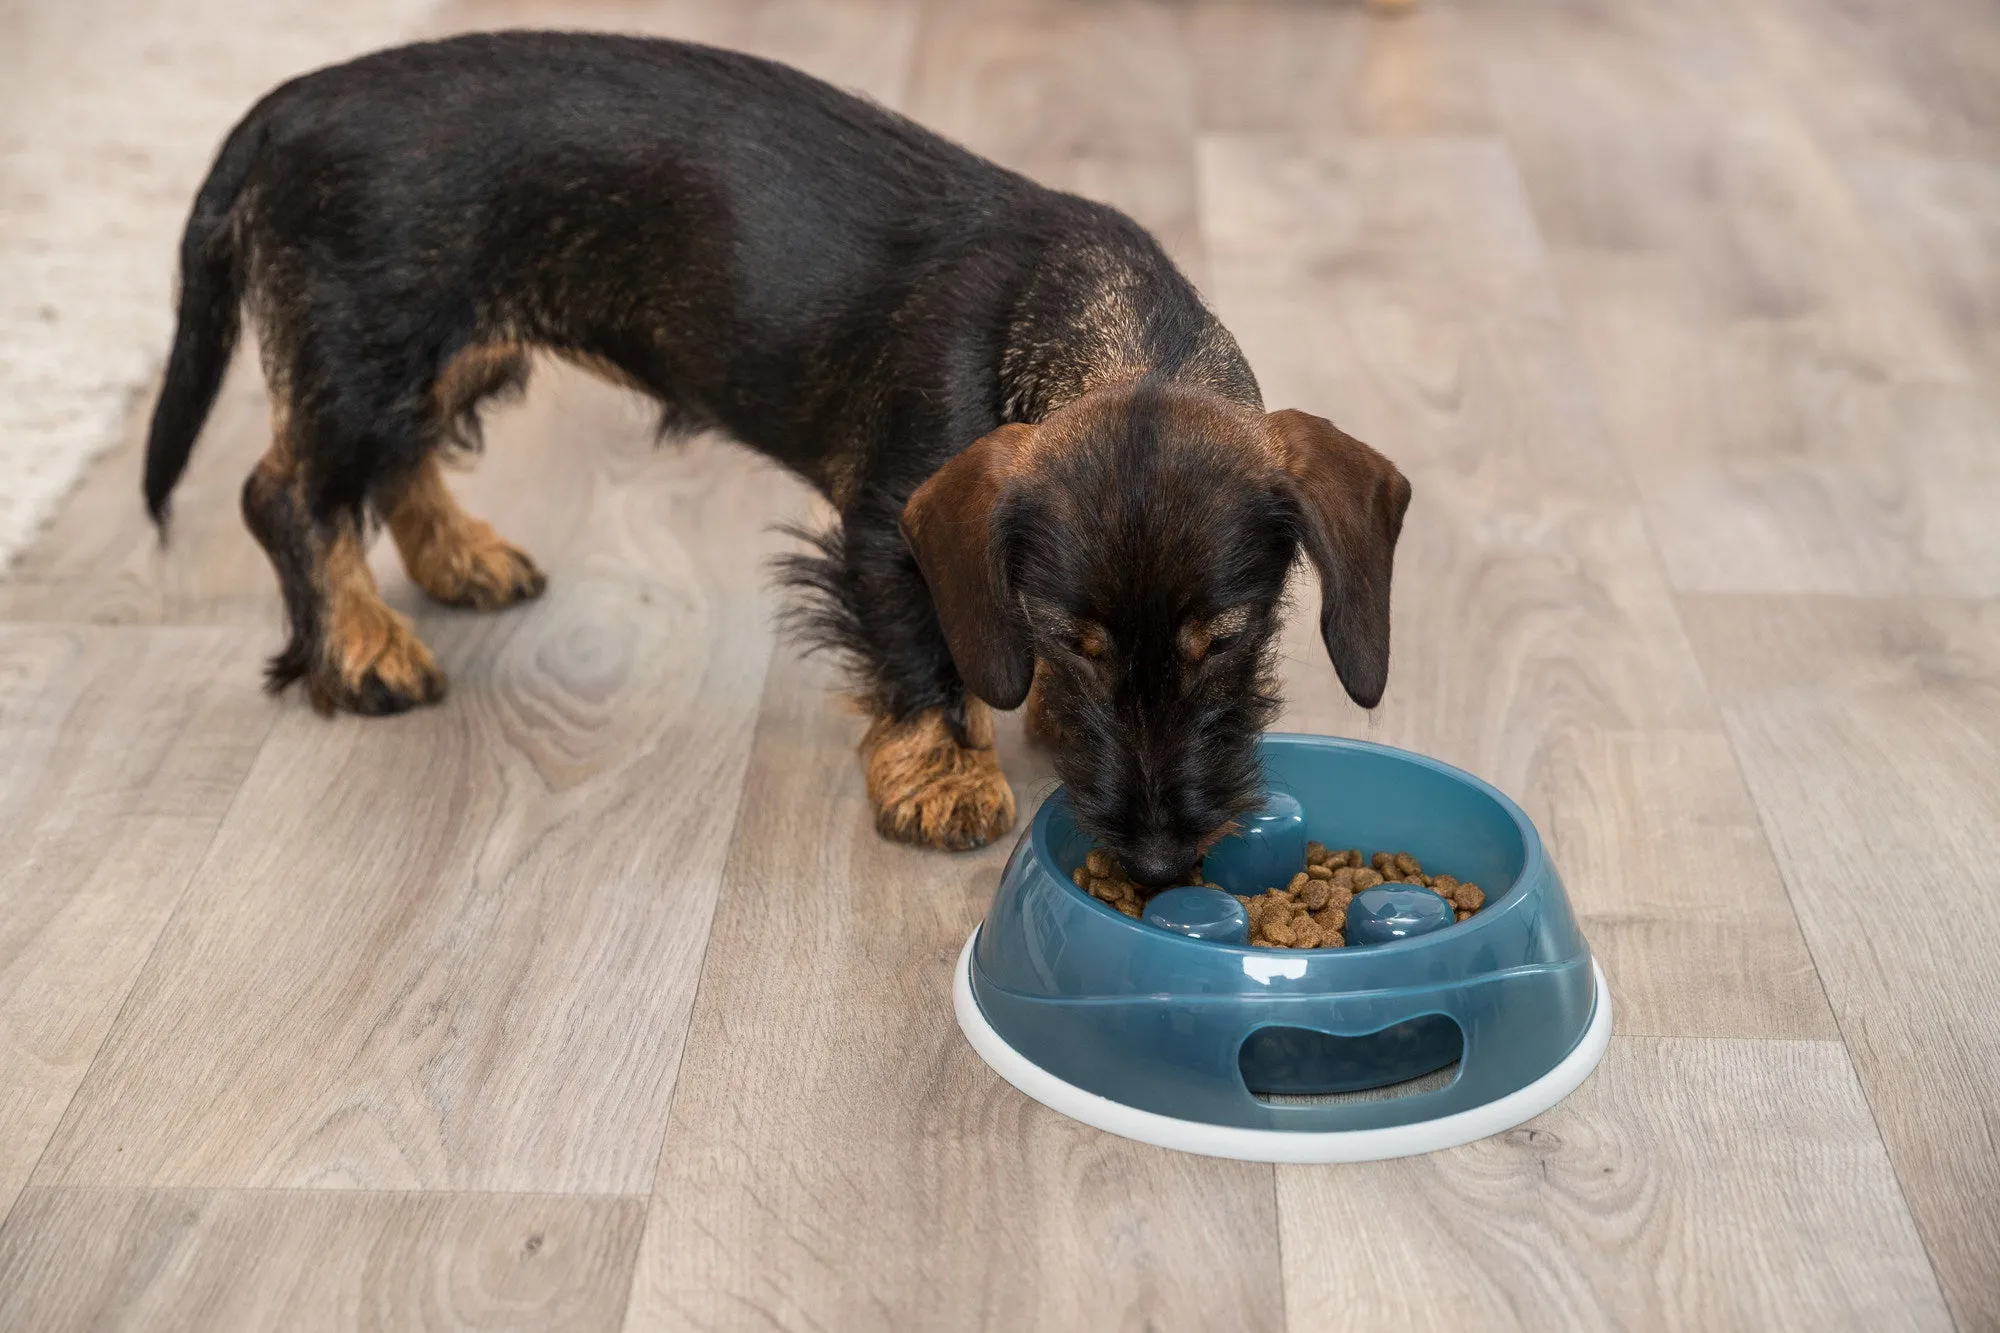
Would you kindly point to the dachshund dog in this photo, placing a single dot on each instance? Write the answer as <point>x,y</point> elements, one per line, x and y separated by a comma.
<point>1055,476</point>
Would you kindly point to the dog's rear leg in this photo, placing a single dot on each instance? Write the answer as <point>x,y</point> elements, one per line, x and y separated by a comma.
<point>352,651</point>
<point>458,559</point>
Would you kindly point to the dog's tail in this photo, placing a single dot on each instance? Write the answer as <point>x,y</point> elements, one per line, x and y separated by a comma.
<point>209,319</point>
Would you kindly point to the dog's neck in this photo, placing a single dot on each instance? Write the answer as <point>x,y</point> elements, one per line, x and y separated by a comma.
<point>1095,315</point>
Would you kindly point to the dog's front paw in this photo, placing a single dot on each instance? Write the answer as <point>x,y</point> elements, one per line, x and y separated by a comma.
<point>931,791</point>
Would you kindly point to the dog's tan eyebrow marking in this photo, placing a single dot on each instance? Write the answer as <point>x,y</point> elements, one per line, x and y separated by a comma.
<point>1198,636</point>
<point>1091,639</point>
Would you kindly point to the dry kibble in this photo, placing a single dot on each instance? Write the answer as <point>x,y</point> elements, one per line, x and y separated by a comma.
<point>1310,910</point>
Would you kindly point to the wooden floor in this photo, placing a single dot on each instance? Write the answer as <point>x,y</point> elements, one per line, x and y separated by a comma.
<point>590,999</point>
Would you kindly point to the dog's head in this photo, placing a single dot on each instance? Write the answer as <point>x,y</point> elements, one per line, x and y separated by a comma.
<point>1137,542</point>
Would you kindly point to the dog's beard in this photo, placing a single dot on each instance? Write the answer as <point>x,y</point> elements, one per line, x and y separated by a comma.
<point>1200,775</point>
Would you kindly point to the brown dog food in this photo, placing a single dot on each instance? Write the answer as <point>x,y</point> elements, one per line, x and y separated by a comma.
<point>1310,912</point>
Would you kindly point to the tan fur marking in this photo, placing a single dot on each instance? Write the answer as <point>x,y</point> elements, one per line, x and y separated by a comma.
<point>476,372</point>
<point>458,559</point>
<point>1041,728</point>
<point>363,636</point>
<point>929,790</point>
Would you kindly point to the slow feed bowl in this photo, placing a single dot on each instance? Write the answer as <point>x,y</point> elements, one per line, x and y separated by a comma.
<point>1445,1033</point>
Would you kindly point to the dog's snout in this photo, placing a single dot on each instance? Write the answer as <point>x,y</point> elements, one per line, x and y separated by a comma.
<point>1158,863</point>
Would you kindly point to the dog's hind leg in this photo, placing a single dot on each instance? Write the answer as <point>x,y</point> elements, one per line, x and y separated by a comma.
<point>456,558</point>
<point>352,650</point>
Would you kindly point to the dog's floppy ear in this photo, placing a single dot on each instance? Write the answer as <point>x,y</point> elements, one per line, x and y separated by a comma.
<point>1353,501</point>
<point>949,524</point>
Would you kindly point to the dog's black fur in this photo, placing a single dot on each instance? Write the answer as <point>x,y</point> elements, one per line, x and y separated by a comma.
<point>837,288</point>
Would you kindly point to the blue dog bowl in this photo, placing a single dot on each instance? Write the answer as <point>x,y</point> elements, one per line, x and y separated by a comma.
<point>1306,1055</point>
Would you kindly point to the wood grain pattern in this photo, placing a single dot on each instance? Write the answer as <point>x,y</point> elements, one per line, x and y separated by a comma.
<point>1319,69</point>
<point>458,949</point>
<point>120,752</point>
<point>222,1260</point>
<point>1095,99</point>
<point>1659,1195</point>
<point>1754,342</point>
<point>839,1158</point>
<point>1870,735</point>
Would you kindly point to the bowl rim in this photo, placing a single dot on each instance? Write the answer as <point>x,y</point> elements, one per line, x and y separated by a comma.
<point>1533,861</point>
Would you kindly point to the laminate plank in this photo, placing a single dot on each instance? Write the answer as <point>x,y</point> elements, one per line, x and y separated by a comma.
<point>122,751</point>
<point>216,1260</point>
<point>1314,68</point>
<point>1917,75</point>
<point>1942,217</point>
<point>838,1156</point>
<point>1664,1193</point>
<point>1754,342</point>
<point>458,949</point>
<point>1094,99</point>
<point>1400,288</point>
<point>860,45</point>
<point>1869,733</point>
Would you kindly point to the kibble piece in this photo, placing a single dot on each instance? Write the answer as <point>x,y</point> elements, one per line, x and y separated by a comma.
<point>1081,878</point>
<point>1470,897</point>
<point>1280,932</point>
<point>1366,879</point>
<point>1305,935</point>
<point>1464,915</point>
<point>1316,894</point>
<point>1383,862</point>
<point>1408,864</point>
<point>1319,872</point>
<point>1129,908</point>
<point>1315,853</point>
<point>1099,863</point>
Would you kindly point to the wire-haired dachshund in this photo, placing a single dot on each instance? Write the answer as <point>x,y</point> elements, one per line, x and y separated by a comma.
<point>1056,479</point>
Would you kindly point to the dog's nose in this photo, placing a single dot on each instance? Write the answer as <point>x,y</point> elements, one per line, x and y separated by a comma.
<point>1158,865</point>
